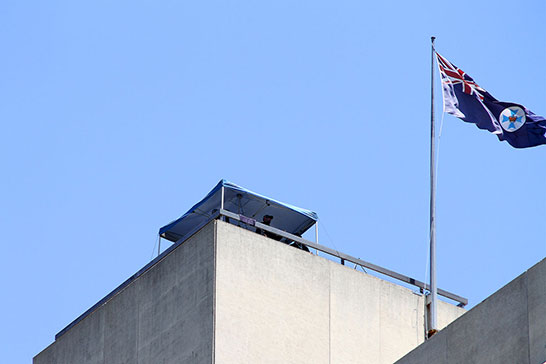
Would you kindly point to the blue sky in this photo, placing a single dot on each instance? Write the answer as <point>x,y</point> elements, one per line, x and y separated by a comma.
<point>119,116</point>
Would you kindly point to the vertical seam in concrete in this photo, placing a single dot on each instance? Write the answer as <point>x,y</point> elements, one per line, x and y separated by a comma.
<point>104,338</point>
<point>417,322</point>
<point>380,325</point>
<point>214,273</point>
<point>329,314</point>
<point>447,335</point>
<point>526,282</point>
<point>138,327</point>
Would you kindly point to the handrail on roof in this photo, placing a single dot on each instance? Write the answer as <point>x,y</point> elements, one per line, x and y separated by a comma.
<point>251,222</point>
<point>344,257</point>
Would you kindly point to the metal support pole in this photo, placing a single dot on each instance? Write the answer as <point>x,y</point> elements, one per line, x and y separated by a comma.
<point>159,246</point>
<point>433,289</point>
<point>222,202</point>
<point>316,236</point>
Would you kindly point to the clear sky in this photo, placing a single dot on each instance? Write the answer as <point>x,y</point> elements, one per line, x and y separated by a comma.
<point>118,116</point>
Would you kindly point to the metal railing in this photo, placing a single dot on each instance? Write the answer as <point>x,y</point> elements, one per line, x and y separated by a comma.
<point>251,222</point>
<point>343,257</point>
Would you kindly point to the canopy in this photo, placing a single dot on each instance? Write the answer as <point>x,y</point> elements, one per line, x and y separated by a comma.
<point>241,201</point>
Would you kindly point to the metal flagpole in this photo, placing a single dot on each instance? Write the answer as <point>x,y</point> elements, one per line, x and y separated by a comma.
<point>433,289</point>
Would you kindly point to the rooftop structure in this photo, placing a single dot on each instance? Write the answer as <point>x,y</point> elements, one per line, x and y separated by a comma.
<point>222,293</point>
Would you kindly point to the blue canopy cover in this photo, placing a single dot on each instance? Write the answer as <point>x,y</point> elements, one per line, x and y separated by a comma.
<point>241,201</point>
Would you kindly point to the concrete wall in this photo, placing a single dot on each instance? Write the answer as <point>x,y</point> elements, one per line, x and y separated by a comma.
<point>278,304</point>
<point>229,295</point>
<point>508,327</point>
<point>165,316</point>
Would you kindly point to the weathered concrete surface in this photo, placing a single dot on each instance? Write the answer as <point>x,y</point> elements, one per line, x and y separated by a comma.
<point>231,296</point>
<point>272,301</point>
<point>536,304</point>
<point>508,327</point>
<point>278,304</point>
<point>164,316</point>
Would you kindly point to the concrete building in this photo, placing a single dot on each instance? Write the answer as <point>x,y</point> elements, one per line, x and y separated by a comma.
<point>224,294</point>
<point>228,295</point>
<point>509,327</point>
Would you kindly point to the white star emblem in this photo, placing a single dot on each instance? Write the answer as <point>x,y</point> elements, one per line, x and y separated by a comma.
<point>512,118</point>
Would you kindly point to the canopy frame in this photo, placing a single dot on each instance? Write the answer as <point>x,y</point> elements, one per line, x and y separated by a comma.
<point>231,197</point>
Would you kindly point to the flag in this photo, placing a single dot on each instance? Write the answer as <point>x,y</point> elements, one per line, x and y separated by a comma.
<point>466,100</point>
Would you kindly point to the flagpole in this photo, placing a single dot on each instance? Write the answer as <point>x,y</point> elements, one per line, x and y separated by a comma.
<point>433,290</point>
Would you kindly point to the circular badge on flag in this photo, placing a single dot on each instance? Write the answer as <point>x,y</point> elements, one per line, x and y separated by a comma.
<point>512,118</point>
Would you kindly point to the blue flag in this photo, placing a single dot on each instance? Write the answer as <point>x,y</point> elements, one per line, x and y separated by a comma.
<point>471,103</point>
